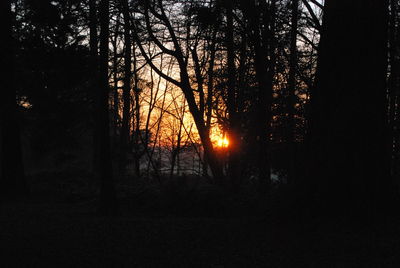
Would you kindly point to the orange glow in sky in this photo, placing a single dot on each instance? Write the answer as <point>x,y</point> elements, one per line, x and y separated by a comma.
<point>223,142</point>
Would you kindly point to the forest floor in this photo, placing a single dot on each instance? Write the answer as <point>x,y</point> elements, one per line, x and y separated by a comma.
<point>54,231</point>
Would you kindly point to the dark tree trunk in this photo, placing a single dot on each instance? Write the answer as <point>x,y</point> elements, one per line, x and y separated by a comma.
<point>349,145</point>
<point>137,136</point>
<point>262,20</point>
<point>186,87</point>
<point>209,152</point>
<point>198,117</point>
<point>269,45</point>
<point>234,135</point>
<point>125,129</point>
<point>115,119</point>
<point>107,192</point>
<point>94,85</point>
<point>12,181</point>
<point>291,94</point>
<point>210,90</point>
<point>394,90</point>
<point>175,152</point>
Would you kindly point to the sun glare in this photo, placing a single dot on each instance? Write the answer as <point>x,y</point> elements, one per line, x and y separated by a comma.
<point>223,142</point>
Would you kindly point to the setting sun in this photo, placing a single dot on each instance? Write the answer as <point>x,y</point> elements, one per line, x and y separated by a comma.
<point>223,142</point>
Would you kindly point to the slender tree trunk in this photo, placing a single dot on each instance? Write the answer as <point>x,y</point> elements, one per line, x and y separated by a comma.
<point>125,129</point>
<point>94,70</point>
<point>107,192</point>
<point>114,124</point>
<point>176,151</point>
<point>242,87</point>
<point>262,38</point>
<point>291,98</point>
<point>210,92</point>
<point>184,84</point>
<point>137,135</point>
<point>394,90</point>
<point>12,181</point>
<point>234,139</point>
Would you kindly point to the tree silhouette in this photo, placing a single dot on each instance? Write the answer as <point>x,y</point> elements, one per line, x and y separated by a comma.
<point>349,131</point>
<point>107,192</point>
<point>125,129</point>
<point>12,182</point>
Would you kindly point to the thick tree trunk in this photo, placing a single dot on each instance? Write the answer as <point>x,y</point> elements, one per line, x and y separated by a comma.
<point>198,117</point>
<point>107,192</point>
<point>350,158</point>
<point>12,181</point>
<point>209,152</point>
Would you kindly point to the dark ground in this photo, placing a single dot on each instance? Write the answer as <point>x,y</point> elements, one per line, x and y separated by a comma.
<point>175,229</point>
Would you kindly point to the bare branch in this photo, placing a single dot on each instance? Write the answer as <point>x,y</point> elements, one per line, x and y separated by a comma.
<point>315,2</point>
<point>314,17</point>
<point>150,62</point>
